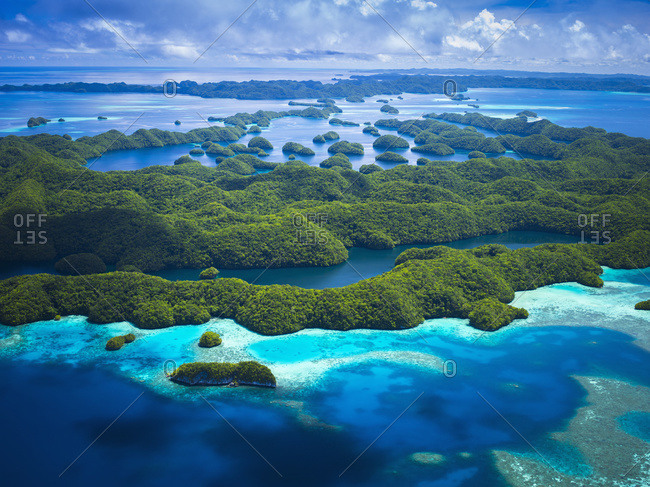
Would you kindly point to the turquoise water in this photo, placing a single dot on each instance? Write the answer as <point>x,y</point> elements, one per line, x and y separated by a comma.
<point>636,423</point>
<point>337,391</point>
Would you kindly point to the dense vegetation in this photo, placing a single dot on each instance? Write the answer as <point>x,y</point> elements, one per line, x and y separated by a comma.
<point>230,217</point>
<point>644,305</point>
<point>189,215</point>
<point>425,283</point>
<point>119,341</point>
<point>347,148</point>
<point>223,373</point>
<point>209,273</point>
<point>389,156</point>
<point>389,109</point>
<point>209,339</point>
<point>81,264</point>
<point>296,148</point>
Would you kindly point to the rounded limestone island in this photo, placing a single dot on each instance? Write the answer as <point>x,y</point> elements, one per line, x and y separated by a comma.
<point>390,142</point>
<point>177,122</point>
<point>296,148</point>
<point>37,121</point>
<point>371,130</point>
<point>389,109</point>
<point>209,273</point>
<point>119,341</point>
<point>223,373</point>
<point>209,339</point>
<point>259,142</point>
<point>101,117</point>
<point>527,114</point>
<point>644,305</point>
<point>389,156</point>
<point>62,120</point>
<point>355,99</point>
<point>347,148</point>
<point>475,154</point>
<point>337,160</point>
<point>197,152</point>
<point>326,137</point>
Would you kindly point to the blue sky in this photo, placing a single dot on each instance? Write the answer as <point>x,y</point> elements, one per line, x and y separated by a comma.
<point>585,36</point>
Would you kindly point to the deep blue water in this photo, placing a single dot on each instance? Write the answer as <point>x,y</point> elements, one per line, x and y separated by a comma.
<point>55,411</point>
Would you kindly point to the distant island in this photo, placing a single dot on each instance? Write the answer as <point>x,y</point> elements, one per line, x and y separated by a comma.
<point>358,87</point>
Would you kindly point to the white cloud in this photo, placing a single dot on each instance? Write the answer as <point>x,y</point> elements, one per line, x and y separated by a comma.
<point>17,36</point>
<point>180,51</point>
<point>21,18</point>
<point>577,26</point>
<point>423,4</point>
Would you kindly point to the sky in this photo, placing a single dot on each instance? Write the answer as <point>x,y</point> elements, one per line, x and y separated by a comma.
<point>598,36</point>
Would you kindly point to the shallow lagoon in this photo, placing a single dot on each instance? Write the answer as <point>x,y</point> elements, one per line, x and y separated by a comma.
<point>336,392</point>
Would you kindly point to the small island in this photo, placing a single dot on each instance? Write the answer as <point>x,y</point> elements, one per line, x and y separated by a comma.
<point>644,305</point>
<point>389,109</point>
<point>209,273</point>
<point>119,341</point>
<point>389,156</point>
<point>296,148</point>
<point>101,117</point>
<point>343,123</point>
<point>371,130</point>
<point>347,148</point>
<point>223,373</point>
<point>209,339</point>
<point>390,142</point>
<point>326,137</point>
<point>337,160</point>
<point>37,121</point>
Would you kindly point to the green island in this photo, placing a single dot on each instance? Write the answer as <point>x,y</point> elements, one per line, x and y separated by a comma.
<point>389,109</point>
<point>347,148</point>
<point>223,373</point>
<point>371,130</point>
<point>119,341</point>
<point>37,121</point>
<point>644,305</point>
<point>393,157</point>
<point>342,123</point>
<point>296,148</point>
<point>209,339</point>
<point>326,137</point>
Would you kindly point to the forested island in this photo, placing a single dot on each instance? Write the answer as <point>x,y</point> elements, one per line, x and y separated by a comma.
<point>223,373</point>
<point>356,88</point>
